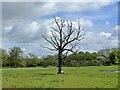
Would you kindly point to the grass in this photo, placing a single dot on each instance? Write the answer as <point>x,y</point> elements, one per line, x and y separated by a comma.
<point>74,77</point>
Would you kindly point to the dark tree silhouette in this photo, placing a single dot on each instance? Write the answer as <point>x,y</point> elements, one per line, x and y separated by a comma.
<point>64,38</point>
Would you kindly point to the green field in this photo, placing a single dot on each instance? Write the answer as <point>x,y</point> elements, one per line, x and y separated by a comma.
<point>74,77</point>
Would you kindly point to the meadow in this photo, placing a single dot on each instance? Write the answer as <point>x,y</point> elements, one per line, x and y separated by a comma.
<point>74,77</point>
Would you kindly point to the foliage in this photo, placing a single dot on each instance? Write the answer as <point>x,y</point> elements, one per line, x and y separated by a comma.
<point>15,54</point>
<point>49,60</point>
<point>16,58</point>
<point>114,56</point>
<point>105,52</point>
<point>4,57</point>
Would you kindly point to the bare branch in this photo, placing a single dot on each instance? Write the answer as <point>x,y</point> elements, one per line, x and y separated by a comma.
<point>48,48</point>
<point>79,35</point>
<point>69,31</point>
<point>60,39</point>
<point>55,29</point>
<point>51,41</point>
<point>55,39</point>
<point>56,21</point>
<point>47,39</point>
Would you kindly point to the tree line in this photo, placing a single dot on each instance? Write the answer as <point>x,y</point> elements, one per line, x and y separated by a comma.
<point>15,57</point>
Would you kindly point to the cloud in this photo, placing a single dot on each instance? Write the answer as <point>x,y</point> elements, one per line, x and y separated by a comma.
<point>21,10</point>
<point>25,10</point>
<point>28,35</point>
<point>97,41</point>
<point>21,32</point>
<point>117,28</point>
<point>23,25</point>
<point>84,23</point>
<point>115,31</point>
<point>105,35</point>
<point>30,32</point>
<point>96,38</point>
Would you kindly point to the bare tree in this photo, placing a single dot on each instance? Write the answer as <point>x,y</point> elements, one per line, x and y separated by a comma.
<point>64,38</point>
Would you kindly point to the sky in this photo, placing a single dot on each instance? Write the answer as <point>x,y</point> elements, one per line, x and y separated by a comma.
<point>23,23</point>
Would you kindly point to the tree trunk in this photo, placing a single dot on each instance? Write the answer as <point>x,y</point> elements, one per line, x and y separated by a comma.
<point>59,67</point>
<point>59,62</point>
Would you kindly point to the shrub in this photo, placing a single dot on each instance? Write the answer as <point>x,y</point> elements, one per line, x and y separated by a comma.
<point>107,63</point>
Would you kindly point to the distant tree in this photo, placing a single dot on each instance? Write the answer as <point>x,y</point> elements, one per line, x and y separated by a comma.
<point>5,58</point>
<point>32,60</point>
<point>118,56</point>
<point>15,56</point>
<point>105,52</point>
<point>88,56</point>
<point>79,57</point>
<point>0,57</point>
<point>50,60</point>
<point>64,38</point>
<point>94,55</point>
<point>114,56</point>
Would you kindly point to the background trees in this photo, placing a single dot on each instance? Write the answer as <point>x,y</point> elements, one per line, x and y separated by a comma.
<point>50,60</point>
<point>114,56</point>
<point>15,55</point>
<point>16,58</point>
<point>4,57</point>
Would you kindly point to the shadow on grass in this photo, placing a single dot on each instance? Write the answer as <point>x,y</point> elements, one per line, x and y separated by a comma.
<point>46,74</point>
<point>116,71</point>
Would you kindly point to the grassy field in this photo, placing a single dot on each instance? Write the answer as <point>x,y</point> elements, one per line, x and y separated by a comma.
<point>74,77</point>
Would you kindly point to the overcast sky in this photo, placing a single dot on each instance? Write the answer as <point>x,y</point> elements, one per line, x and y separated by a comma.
<point>23,23</point>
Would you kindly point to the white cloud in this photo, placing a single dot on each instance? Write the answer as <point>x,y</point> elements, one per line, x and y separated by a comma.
<point>24,13</point>
<point>33,27</point>
<point>86,23</point>
<point>21,32</point>
<point>117,28</point>
<point>96,38</point>
<point>20,10</point>
<point>116,31</point>
<point>7,29</point>
<point>105,35</point>
<point>22,24</point>
<point>114,42</point>
<point>23,49</point>
<point>30,32</point>
<point>91,42</point>
<point>96,41</point>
